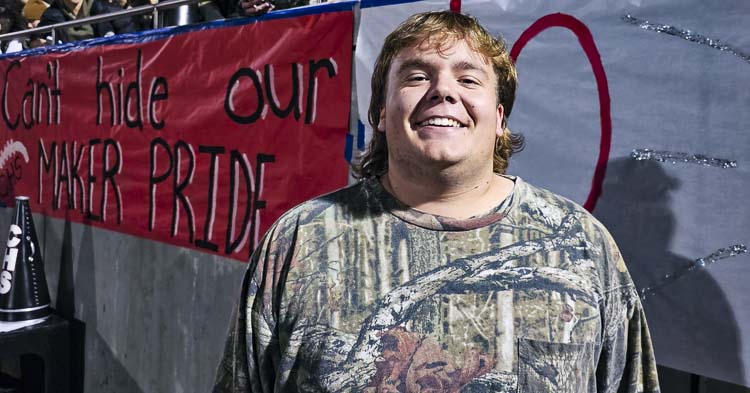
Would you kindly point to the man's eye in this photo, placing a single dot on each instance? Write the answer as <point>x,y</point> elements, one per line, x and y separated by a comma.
<point>468,81</point>
<point>417,78</point>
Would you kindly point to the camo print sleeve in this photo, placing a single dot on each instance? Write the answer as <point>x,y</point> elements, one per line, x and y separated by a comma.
<point>627,360</point>
<point>232,373</point>
<point>251,349</point>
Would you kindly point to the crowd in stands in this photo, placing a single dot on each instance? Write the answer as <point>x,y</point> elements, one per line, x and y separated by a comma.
<point>18,15</point>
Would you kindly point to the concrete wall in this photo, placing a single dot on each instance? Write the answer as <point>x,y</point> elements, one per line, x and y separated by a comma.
<point>154,317</point>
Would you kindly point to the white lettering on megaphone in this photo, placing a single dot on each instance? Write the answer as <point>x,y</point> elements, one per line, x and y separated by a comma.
<point>9,262</point>
<point>5,285</point>
<point>15,235</point>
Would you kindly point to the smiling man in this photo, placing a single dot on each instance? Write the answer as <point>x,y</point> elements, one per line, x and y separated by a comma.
<point>437,272</point>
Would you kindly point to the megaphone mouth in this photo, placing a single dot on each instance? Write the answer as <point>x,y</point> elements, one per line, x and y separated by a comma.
<point>24,309</point>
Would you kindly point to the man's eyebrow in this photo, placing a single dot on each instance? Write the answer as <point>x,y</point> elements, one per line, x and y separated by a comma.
<point>421,64</point>
<point>412,64</point>
<point>468,66</point>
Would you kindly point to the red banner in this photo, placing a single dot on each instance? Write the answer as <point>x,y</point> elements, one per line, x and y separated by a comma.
<point>199,139</point>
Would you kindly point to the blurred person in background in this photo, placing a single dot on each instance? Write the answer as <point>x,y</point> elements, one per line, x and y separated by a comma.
<point>11,20</point>
<point>14,6</point>
<point>68,10</point>
<point>261,7</point>
<point>144,21</point>
<point>122,25</point>
<point>32,12</point>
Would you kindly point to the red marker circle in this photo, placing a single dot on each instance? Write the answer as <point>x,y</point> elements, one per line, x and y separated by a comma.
<point>592,53</point>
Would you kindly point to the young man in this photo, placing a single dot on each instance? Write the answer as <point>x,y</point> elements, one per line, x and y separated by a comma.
<point>437,272</point>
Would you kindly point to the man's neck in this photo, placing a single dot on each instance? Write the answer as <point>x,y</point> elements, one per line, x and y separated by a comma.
<point>446,195</point>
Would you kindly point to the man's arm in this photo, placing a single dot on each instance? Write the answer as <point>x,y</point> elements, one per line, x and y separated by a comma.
<point>232,375</point>
<point>626,363</point>
<point>627,359</point>
<point>251,349</point>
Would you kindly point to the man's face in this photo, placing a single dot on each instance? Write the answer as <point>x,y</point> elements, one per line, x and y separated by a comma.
<point>441,108</point>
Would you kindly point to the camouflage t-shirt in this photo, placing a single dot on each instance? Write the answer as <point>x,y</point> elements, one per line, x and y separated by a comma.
<point>355,292</point>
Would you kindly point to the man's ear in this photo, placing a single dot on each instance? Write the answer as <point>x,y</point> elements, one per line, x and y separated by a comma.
<point>499,127</point>
<point>381,121</point>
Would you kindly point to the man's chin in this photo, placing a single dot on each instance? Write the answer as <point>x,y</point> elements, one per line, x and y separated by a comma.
<point>439,163</point>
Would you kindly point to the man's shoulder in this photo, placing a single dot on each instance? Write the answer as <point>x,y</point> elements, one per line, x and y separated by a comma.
<point>346,200</point>
<point>544,208</point>
<point>543,204</point>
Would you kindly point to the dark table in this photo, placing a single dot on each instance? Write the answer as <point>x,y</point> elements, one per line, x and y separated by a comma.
<point>44,350</point>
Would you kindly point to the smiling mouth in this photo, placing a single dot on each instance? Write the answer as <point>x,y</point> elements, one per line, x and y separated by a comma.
<point>441,122</point>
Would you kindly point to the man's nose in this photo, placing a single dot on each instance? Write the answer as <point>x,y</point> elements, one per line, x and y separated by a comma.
<point>442,90</point>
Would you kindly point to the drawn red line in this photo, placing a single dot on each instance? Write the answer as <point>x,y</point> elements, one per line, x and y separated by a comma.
<point>592,53</point>
<point>455,5</point>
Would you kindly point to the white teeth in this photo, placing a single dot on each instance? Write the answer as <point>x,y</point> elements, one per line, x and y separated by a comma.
<point>441,121</point>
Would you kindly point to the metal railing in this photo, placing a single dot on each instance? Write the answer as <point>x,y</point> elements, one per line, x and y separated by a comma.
<point>153,9</point>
